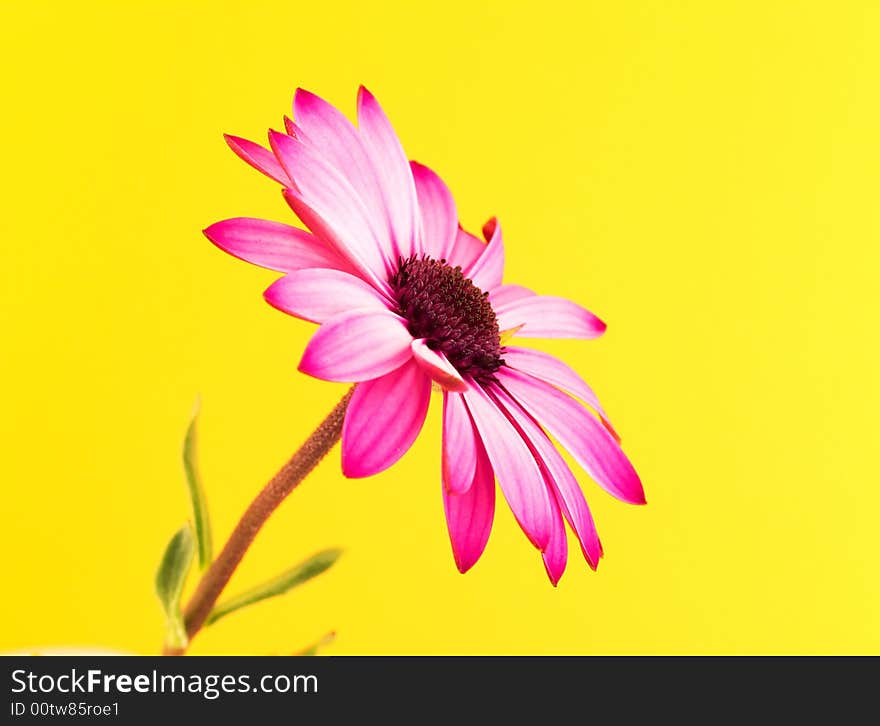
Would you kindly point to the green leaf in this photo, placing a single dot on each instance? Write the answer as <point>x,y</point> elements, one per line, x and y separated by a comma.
<point>315,647</point>
<point>197,492</point>
<point>169,583</point>
<point>312,567</point>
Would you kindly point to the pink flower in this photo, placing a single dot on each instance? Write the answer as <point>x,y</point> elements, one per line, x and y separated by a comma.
<point>405,297</point>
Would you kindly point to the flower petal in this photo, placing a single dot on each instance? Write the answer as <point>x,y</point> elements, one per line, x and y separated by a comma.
<point>437,210</point>
<point>487,269</point>
<point>504,294</point>
<point>258,157</point>
<point>357,346</point>
<point>554,371</point>
<point>579,432</point>
<point>469,515</point>
<point>438,367</point>
<point>337,140</point>
<point>574,506</point>
<point>273,245</point>
<point>518,474</point>
<point>384,149</point>
<point>460,444</point>
<point>329,234</point>
<point>559,477</point>
<point>465,250</point>
<point>293,130</point>
<point>544,316</point>
<point>318,295</point>
<point>330,195</point>
<point>556,555</point>
<point>383,419</point>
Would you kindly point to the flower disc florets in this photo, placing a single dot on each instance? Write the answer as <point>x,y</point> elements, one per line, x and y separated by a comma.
<point>452,314</point>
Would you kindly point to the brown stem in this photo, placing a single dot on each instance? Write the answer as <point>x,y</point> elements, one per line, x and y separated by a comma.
<point>285,481</point>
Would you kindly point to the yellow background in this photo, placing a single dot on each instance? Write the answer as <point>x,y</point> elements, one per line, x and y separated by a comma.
<point>703,175</point>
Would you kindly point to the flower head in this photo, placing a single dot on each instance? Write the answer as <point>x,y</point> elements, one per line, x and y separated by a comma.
<point>404,298</point>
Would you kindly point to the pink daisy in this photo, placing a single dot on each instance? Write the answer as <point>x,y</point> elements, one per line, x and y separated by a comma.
<point>404,298</point>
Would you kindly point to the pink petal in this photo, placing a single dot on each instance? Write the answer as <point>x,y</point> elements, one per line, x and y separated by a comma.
<point>330,195</point>
<point>469,515</point>
<point>556,555</point>
<point>554,371</point>
<point>465,250</point>
<point>438,367</point>
<point>567,492</point>
<point>258,157</point>
<point>384,149</point>
<point>487,269</point>
<point>460,444</point>
<point>318,295</point>
<point>273,245</point>
<point>579,432</point>
<point>518,474</point>
<point>490,227</point>
<point>337,140</point>
<point>438,213</point>
<point>543,316</point>
<point>383,419</point>
<point>574,506</point>
<point>504,294</point>
<point>357,346</point>
<point>293,130</point>
<point>326,232</point>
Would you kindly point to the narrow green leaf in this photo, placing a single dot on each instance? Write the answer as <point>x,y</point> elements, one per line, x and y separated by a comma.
<point>197,492</point>
<point>315,647</point>
<point>312,567</point>
<point>170,579</point>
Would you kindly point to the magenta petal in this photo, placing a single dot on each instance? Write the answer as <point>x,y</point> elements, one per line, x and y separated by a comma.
<point>544,316</point>
<point>567,492</point>
<point>258,157</point>
<point>437,210</point>
<point>574,506</point>
<point>469,515</point>
<point>438,367</point>
<point>460,444</point>
<point>330,194</point>
<point>465,250</point>
<point>518,474</point>
<point>487,269</point>
<point>273,245</point>
<point>579,432</point>
<point>357,346</point>
<point>392,167</point>
<point>337,140</point>
<point>318,295</point>
<point>292,129</point>
<point>383,420</point>
<point>504,294</point>
<point>556,555</point>
<point>363,265</point>
<point>554,371</point>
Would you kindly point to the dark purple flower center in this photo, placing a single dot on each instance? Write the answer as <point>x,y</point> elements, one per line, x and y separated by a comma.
<point>453,315</point>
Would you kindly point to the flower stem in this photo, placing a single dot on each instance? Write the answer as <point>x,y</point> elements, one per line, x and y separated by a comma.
<point>283,483</point>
